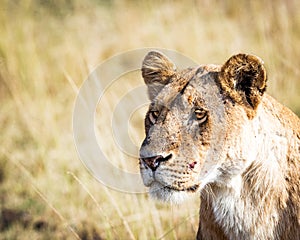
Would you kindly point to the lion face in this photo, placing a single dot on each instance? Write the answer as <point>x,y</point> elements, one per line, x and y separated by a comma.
<point>187,124</point>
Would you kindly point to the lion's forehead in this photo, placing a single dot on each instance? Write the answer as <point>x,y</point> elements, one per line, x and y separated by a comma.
<point>189,86</point>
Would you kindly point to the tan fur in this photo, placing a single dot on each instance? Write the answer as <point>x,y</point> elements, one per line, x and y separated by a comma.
<point>214,130</point>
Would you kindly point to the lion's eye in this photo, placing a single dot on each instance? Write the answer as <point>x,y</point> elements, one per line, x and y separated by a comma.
<point>153,115</point>
<point>201,115</point>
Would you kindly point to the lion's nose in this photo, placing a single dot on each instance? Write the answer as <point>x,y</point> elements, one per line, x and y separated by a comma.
<point>154,162</point>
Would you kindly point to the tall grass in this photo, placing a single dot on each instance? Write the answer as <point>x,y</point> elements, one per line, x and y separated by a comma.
<point>48,48</point>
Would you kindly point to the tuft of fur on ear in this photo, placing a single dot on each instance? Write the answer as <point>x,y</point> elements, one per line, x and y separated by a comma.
<point>157,70</point>
<point>243,77</point>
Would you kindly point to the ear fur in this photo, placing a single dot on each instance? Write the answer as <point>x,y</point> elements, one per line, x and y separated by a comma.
<point>157,71</point>
<point>243,77</point>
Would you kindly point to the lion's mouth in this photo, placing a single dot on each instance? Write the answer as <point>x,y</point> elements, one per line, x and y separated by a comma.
<point>191,189</point>
<point>169,193</point>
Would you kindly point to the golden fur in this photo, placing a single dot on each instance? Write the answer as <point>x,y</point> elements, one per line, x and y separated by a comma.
<point>214,130</point>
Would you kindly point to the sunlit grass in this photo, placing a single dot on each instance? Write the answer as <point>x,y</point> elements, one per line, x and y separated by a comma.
<point>46,52</point>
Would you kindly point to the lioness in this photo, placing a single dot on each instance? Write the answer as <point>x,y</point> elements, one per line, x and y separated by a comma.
<point>213,129</point>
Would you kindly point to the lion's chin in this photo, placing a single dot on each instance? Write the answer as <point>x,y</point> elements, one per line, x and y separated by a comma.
<point>166,194</point>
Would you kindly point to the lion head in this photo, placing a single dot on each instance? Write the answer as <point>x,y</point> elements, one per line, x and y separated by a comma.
<point>193,116</point>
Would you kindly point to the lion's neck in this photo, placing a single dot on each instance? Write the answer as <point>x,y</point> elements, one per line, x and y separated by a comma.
<point>248,201</point>
<point>250,182</point>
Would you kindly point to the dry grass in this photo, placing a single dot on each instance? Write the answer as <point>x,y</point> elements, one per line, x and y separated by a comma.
<point>48,48</point>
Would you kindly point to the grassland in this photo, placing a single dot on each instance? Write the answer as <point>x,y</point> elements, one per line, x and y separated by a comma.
<point>48,48</point>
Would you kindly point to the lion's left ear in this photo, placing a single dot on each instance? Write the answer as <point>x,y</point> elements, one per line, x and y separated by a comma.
<point>243,77</point>
<point>157,71</point>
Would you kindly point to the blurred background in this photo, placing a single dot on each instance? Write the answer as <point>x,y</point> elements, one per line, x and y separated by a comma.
<point>47,50</point>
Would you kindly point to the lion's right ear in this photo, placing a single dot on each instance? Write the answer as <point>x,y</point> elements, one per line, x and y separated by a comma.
<point>157,70</point>
<point>243,77</point>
